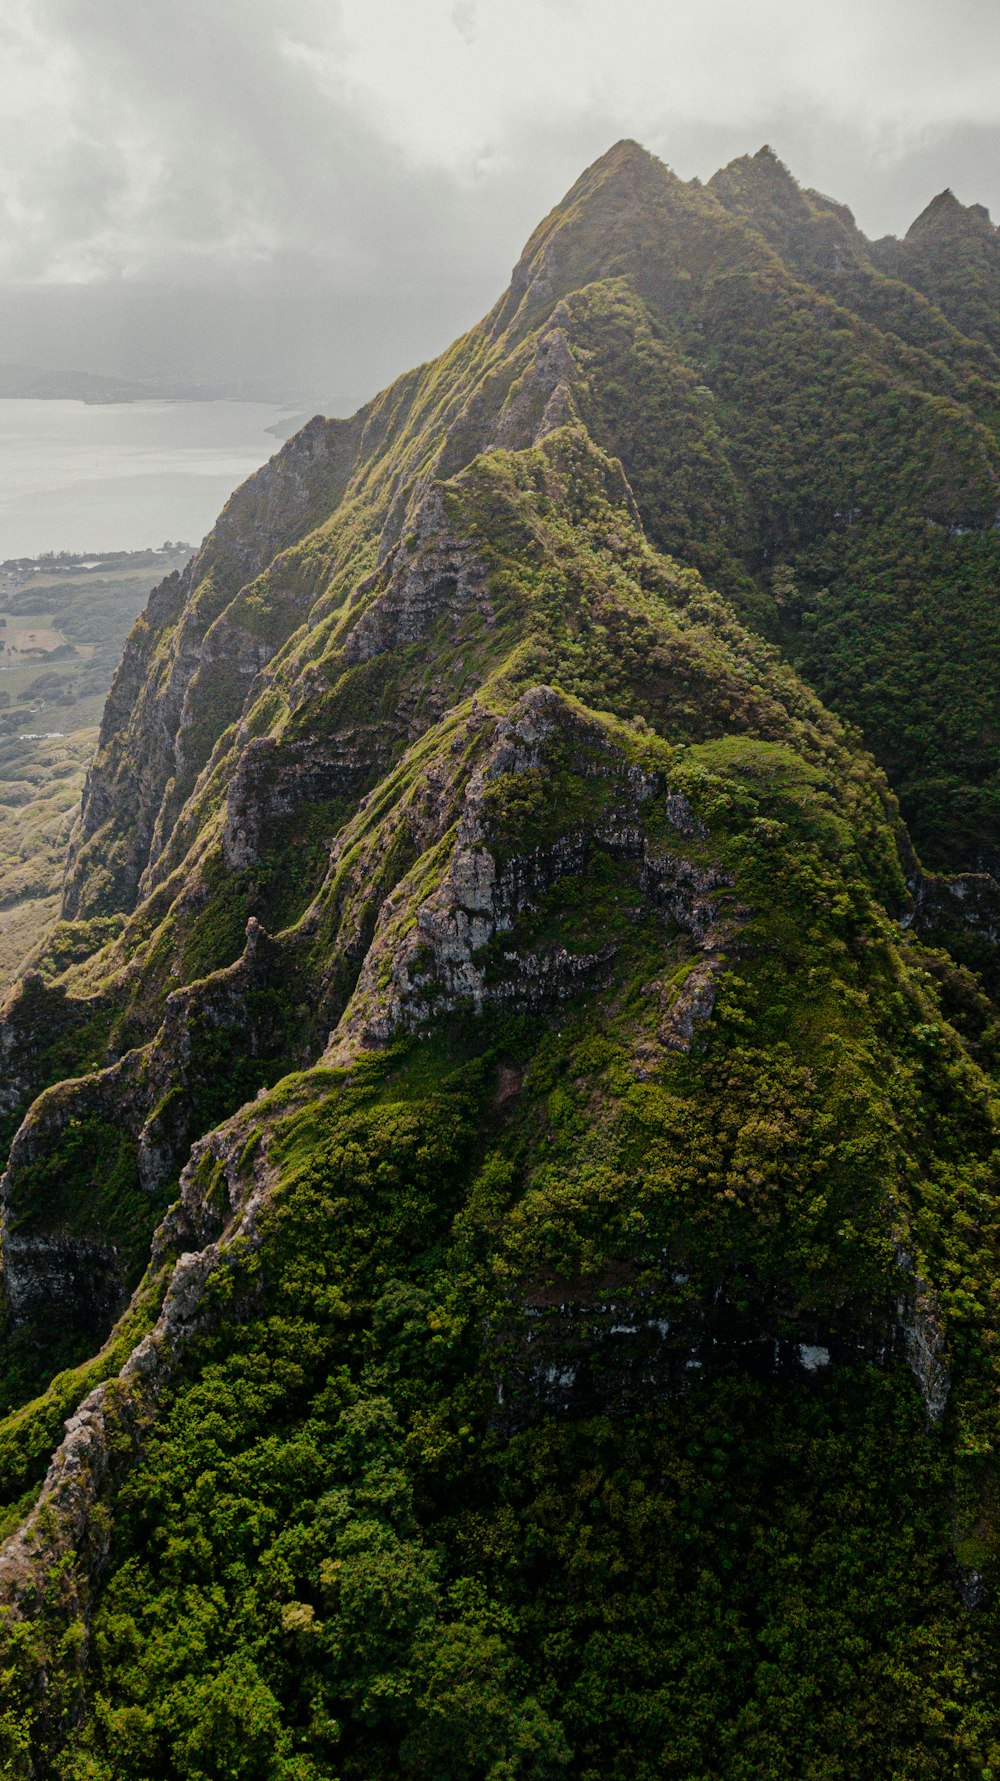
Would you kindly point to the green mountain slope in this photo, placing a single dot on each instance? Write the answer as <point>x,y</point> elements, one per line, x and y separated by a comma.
<point>502,1175</point>
<point>952,254</point>
<point>788,416</point>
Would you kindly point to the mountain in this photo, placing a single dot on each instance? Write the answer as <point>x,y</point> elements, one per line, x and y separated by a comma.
<point>951,253</point>
<point>502,1186</point>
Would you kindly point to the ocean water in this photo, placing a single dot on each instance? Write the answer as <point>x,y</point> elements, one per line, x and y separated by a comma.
<point>125,476</point>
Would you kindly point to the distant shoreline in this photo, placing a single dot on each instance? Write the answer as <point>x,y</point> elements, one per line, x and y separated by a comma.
<point>20,383</point>
<point>69,562</point>
<point>282,430</point>
<point>93,478</point>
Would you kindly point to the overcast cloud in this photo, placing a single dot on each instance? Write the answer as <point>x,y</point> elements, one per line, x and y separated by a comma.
<point>310,195</point>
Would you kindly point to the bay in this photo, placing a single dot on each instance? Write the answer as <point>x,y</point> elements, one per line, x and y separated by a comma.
<point>82,477</point>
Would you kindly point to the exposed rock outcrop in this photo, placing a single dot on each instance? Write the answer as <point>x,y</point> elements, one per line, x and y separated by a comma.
<point>438,760</point>
<point>104,1434</point>
<point>430,958</point>
<point>968,900</point>
<point>619,1348</point>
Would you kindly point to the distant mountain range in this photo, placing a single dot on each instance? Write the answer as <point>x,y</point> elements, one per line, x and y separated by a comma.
<point>32,382</point>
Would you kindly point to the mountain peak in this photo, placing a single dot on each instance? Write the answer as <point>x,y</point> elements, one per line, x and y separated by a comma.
<point>750,179</point>
<point>766,157</point>
<point>625,163</point>
<point>625,151</point>
<point>947,218</point>
<point>595,229</point>
<point>764,164</point>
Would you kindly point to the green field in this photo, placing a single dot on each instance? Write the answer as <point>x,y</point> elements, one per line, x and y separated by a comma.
<point>40,784</point>
<point>76,619</point>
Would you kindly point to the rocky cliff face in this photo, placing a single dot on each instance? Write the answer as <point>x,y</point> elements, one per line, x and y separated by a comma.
<point>148,746</point>
<point>524,1115</point>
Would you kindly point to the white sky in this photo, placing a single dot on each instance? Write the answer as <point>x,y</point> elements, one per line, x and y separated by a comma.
<point>454,80</point>
<point>413,144</point>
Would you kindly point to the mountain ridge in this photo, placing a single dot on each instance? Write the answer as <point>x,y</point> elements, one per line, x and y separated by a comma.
<point>614,172</point>
<point>494,1134</point>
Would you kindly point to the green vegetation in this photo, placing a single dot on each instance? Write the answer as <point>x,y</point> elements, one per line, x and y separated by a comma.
<point>40,785</point>
<point>574,1348</point>
<point>89,608</point>
<point>952,255</point>
<point>73,620</point>
<point>336,1557</point>
<point>917,607</point>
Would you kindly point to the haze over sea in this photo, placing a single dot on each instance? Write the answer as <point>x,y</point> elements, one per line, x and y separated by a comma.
<point>84,477</point>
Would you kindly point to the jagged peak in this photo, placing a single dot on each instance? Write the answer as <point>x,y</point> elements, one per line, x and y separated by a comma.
<point>766,157</point>
<point>624,152</point>
<point>626,160</point>
<point>625,164</point>
<point>626,179</point>
<point>764,165</point>
<point>760,181</point>
<point>766,171</point>
<point>762,190</point>
<point>946,216</point>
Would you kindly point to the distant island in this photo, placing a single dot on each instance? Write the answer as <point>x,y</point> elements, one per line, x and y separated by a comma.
<point>33,383</point>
